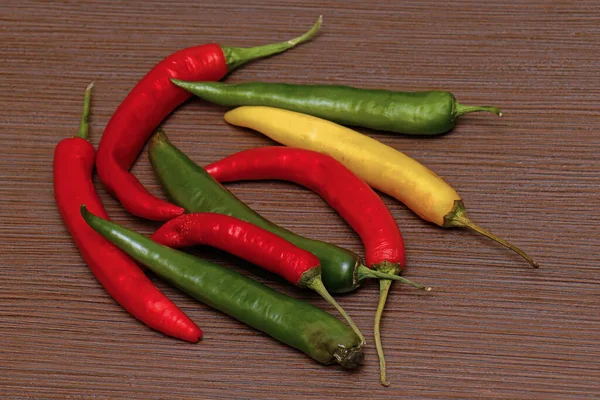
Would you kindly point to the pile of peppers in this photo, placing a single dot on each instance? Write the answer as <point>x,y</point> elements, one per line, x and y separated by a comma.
<point>339,164</point>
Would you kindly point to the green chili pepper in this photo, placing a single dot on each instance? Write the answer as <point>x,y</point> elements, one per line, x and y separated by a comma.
<point>415,113</point>
<point>191,187</point>
<point>291,321</point>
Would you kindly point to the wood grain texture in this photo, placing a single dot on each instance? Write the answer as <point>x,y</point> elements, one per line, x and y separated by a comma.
<point>492,329</point>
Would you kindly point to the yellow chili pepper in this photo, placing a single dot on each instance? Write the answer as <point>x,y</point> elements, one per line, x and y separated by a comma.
<point>381,166</point>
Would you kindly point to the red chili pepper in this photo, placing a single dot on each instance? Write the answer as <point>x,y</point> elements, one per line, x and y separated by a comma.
<point>350,196</point>
<point>241,239</point>
<point>118,274</point>
<point>151,101</point>
<point>252,243</point>
<point>346,193</point>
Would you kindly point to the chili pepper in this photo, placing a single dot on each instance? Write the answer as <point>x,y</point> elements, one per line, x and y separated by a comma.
<point>381,166</point>
<point>254,244</point>
<point>416,113</point>
<point>117,273</point>
<point>150,101</point>
<point>349,195</point>
<point>191,187</point>
<point>294,322</point>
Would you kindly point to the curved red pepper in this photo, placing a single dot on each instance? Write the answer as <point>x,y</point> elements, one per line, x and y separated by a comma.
<point>349,195</point>
<point>346,193</point>
<point>118,274</point>
<point>152,100</point>
<point>239,238</point>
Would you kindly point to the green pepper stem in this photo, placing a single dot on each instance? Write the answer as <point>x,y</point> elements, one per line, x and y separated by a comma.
<point>471,225</point>
<point>386,271</point>
<point>364,273</point>
<point>316,284</point>
<point>236,56</point>
<point>462,109</point>
<point>458,218</point>
<point>85,115</point>
<point>384,289</point>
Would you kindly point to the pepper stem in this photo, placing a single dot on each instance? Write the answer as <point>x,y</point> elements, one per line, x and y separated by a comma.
<point>384,289</point>
<point>458,218</point>
<point>316,284</point>
<point>364,273</point>
<point>84,126</point>
<point>386,271</point>
<point>462,109</point>
<point>235,57</point>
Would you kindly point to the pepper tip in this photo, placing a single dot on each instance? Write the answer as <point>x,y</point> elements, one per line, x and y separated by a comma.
<point>177,82</point>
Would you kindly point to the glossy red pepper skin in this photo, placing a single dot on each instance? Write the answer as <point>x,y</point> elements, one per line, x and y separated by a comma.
<point>346,193</point>
<point>148,103</point>
<point>151,101</point>
<point>117,273</point>
<point>242,239</point>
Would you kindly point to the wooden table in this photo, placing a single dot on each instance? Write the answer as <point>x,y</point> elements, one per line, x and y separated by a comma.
<point>493,328</point>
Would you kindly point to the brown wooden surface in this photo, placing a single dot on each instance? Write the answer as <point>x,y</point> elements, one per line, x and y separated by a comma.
<point>492,329</point>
